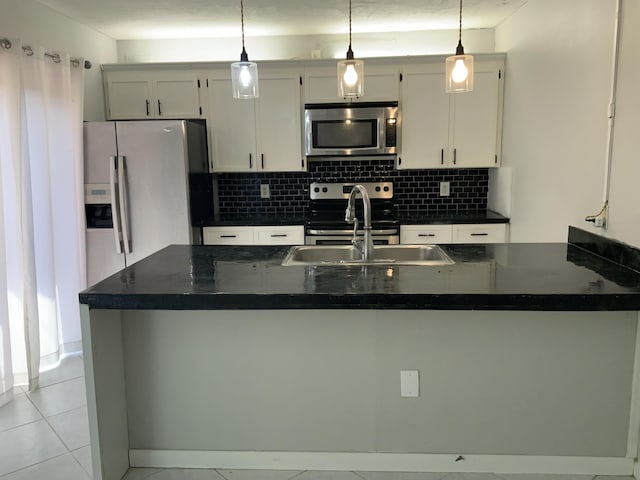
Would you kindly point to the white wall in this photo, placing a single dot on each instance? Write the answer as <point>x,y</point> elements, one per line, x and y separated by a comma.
<point>300,46</point>
<point>38,25</point>
<point>557,89</point>
<point>624,212</point>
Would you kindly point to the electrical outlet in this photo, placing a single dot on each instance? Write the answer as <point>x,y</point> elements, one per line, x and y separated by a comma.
<point>444,189</point>
<point>264,190</point>
<point>316,53</point>
<point>409,383</point>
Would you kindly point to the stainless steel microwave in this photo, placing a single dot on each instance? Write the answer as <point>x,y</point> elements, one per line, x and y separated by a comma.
<point>338,129</point>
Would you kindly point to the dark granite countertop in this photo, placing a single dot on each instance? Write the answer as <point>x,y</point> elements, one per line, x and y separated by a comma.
<point>479,216</point>
<point>545,276</point>
<point>254,220</point>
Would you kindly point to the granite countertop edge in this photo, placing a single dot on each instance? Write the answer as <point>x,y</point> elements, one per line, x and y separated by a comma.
<point>537,277</point>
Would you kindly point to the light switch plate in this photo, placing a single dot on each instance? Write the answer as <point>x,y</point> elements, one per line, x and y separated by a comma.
<point>409,383</point>
<point>264,190</point>
<point>444,189</point>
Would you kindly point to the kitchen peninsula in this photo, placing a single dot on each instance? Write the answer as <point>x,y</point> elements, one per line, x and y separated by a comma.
<point>206,356</point>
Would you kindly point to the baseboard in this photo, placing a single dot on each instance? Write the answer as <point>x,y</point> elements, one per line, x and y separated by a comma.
<point>384,462</point>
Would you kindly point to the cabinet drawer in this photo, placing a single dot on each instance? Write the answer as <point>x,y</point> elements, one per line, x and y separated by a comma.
<point>485,233</point>
<point>425,234</point>
<point>227,235</point>
<point>279,235</point>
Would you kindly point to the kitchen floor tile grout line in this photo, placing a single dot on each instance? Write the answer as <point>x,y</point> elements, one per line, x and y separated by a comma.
<point>69,452</point>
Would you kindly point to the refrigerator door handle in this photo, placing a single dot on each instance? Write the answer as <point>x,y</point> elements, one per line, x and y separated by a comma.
<point>115,212</point>
<point>124,204</point>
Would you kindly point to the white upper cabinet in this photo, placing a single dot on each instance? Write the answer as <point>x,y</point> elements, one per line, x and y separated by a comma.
<point>475,131</point>
<point>381,83</point>
<point>425,120</point>
<point>136,95</point>
<point>441,130</point>
<point>261,135</point>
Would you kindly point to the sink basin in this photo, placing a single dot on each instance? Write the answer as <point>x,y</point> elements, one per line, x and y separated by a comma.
<point>382,255</point>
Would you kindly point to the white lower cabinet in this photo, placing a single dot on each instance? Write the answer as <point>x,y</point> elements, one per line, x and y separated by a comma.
<point>227,235</point>
<point>458,233</point>
<point>483,233</point>
<point>252,235</point>
<point>425,234</point>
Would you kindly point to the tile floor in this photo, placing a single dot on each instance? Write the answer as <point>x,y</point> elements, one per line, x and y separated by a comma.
<point>44,435</point>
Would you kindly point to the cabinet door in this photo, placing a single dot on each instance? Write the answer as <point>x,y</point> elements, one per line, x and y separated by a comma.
<point>380,84</point>
<point>480,233</point>
<point>425,121</point>
<point>227,235</point>
<point>129,98</point>
<point>177,97</point>
<point>279,132</point>
<point>233,130</point>
<point>425,234</point>
<point>475,123</point>
<point>279,235</point>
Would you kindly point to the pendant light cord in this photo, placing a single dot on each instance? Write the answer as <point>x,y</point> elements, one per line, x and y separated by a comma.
<point>460,48</point>
<point>349,24</point>
<point>460,28</point>
<point>242,21</point>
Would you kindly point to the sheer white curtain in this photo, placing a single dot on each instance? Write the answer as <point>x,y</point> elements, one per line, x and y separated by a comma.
<point>42,262</point>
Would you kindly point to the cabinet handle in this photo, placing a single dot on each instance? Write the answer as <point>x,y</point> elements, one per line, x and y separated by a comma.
<point>228,236</point>
<point>159,108</point>
<point>278,235</point>
<point>148,105</point>
<point>250,161</point>
<point>426,234</point>
<point>442,156</point>
<point>455,155</point>
<point>262,160</point>
<point>479,234</point>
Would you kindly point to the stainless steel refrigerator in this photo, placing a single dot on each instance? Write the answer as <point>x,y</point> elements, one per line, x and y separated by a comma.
<point>146,187</point>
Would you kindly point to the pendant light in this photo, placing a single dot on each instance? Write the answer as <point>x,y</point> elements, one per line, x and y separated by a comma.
<point>459,67</point>
<point>244,74</point>
<point>350,72</point>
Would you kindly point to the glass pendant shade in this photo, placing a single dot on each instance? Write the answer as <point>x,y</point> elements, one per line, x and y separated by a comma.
<point>244,79</point>
<point>459,74</point>
<point>244,74</point>
<point>350,78</point>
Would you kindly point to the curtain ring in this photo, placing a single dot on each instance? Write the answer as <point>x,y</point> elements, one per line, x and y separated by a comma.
<point>5,43</point>
<point>28,50</point>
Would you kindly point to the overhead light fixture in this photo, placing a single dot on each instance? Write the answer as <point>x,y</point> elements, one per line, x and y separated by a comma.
<point>244,74</point>
<point>459,67</point>
<point>350,72</point>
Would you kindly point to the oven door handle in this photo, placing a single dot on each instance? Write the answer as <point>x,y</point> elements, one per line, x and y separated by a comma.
<point>312,231</point>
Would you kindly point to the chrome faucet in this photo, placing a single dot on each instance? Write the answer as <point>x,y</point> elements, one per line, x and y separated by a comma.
<point>366,247</point>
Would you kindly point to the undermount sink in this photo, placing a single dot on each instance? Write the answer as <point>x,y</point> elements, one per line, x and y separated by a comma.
<point>431,255</point>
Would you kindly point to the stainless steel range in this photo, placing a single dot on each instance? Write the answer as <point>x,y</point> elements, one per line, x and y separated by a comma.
<point>326,224</point>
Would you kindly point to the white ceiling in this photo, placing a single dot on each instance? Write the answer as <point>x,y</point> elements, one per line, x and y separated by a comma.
<point>155,19</point>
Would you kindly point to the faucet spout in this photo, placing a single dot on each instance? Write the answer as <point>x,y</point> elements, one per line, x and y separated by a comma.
<point>350,216</point>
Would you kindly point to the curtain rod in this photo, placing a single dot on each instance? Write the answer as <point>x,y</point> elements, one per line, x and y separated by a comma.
<point>6,44</point>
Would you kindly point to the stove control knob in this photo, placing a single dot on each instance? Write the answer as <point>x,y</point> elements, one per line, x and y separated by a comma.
<point>316,189</point>
<point>377,189</point>
<point>325,189</point>
<point>386,189</point>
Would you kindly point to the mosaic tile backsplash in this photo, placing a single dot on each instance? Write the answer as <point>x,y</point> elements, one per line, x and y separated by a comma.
<point>416,191</point>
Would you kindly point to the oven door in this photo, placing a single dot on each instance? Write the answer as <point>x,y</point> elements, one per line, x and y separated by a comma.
<point>341,239</point>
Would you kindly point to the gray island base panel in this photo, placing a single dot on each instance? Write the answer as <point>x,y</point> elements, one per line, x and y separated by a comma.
<point>528,392</point>
<point>278,378</point>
